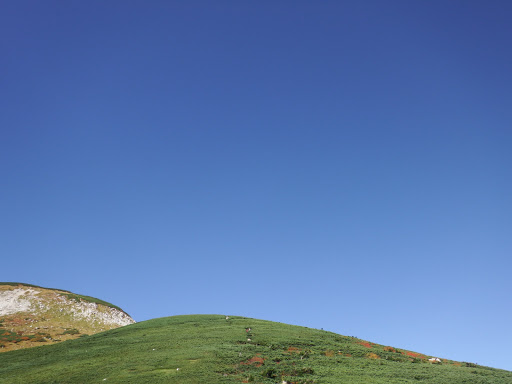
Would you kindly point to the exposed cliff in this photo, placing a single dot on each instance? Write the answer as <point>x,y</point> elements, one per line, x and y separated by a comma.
<point>31,316</point>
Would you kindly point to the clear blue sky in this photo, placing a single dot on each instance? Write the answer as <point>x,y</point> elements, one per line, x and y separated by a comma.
<point>343,165</point>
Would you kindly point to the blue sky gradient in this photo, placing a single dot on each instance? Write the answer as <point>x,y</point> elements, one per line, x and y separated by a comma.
<point>337,165</point>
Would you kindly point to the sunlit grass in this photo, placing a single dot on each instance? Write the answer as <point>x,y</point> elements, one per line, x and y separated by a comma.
<point>212,349</point>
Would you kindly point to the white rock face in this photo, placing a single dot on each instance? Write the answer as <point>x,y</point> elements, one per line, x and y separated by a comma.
<point>27,300</point>
<point>89,311</point>
<point>13,301</point>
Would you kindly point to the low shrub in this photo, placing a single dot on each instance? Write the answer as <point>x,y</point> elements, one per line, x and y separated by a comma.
<point>72,331</point>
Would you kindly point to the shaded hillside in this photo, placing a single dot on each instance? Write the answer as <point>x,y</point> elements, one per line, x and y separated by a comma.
<point>31,316</point>
<point>213,349</point>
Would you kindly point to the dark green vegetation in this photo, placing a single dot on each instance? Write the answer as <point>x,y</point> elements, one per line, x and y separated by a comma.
<point>212,349</point>
<point>69,295</point>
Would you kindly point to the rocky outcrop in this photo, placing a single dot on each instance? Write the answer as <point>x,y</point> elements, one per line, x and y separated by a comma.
<point>31,315</point>
<point>13,301</point>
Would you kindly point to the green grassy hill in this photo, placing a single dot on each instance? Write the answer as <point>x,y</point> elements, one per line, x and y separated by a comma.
<point>212,349</point>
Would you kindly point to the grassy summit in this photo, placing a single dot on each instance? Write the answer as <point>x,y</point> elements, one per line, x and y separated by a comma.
<point>212,349</point>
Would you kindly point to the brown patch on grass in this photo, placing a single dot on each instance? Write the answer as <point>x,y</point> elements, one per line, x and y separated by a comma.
<point>372,355</point>
<point>414,354</point>
<point>329,353</point>
<point>257,361</point>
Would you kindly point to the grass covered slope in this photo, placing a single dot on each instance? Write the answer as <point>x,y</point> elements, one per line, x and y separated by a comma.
<point>212,349</point>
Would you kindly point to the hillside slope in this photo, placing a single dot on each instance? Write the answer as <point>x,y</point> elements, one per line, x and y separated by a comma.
<point>31,315</point>
<point>205,349</point>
